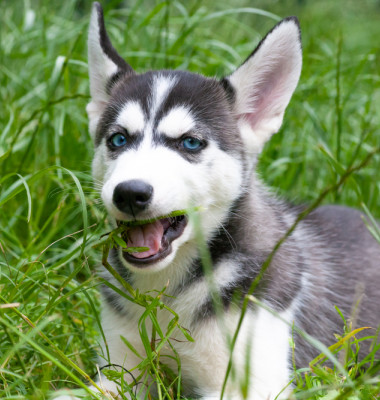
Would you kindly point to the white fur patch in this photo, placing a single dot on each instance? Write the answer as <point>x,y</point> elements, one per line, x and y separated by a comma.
<point>263,335</point>
<point>270,352</point>
<point>161,88</point>
<point>99,164</point>
<point>176,122</point>
<point>94,111</point>
<point>132,117</point>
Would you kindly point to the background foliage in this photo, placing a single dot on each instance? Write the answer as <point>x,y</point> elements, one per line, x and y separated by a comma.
<point>49,211</point>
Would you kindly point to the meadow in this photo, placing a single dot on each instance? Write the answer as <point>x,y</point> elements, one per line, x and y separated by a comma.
<point>50,215</point>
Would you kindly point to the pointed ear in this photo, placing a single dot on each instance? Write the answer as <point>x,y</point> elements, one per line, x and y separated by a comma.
<point>105,66</point>
<point>265,82</point>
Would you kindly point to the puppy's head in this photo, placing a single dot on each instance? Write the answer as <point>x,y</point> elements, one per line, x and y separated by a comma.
<point>173,140</point>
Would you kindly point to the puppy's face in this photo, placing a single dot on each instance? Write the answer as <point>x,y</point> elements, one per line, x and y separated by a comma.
<point>171,140</point>
<point>165,142</point>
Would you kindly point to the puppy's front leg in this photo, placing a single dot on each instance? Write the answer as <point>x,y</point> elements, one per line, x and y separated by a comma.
<point>119,329</point>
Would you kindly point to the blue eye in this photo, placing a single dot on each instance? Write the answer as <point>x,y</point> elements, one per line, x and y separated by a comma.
<point>118,140</point>
<point>191,143</point>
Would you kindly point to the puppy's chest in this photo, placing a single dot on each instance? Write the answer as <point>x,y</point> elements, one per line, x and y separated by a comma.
<point>167,309</point>
<point>264,336</point>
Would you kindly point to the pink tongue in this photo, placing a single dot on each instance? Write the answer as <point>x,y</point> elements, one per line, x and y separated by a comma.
<point>149,235</point>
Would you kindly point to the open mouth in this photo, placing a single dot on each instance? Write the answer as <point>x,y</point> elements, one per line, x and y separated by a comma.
<point>154,237</point>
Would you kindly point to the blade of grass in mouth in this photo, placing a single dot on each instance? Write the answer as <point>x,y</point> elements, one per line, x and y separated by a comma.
<point>135,249</point>
<point>122,228</point>
<point>173,214</point>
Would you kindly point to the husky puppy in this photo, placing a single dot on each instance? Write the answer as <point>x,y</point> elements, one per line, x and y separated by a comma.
<point>172,140</point>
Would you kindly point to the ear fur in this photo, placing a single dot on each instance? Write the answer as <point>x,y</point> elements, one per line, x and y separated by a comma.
<point>265,82</point>
<point>105,66</point>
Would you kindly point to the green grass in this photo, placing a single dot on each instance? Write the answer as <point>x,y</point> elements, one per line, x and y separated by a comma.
<point>50,215</point>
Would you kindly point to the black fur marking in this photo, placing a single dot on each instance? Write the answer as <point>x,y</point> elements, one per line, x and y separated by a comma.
<point>229,89</point>
<point>113,299</point>
<point>115,78</point>
<point>106,44</point>
<point>116,301</point>
<point>193,91</point>
<point>127,88</point>
<point>114,260</point>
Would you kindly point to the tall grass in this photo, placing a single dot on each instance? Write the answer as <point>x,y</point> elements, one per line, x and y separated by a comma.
<point>50,216</point>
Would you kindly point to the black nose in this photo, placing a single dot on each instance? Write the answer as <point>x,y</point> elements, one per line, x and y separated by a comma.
<point>132,196</point>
